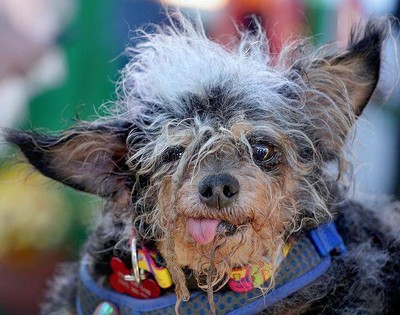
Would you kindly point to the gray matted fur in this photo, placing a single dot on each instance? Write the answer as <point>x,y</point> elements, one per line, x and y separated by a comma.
<point>259,131</point>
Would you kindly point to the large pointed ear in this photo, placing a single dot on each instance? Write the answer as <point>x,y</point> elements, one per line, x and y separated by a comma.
<point>90,157</point>
<point>358,66</point>
<point>341,83</point>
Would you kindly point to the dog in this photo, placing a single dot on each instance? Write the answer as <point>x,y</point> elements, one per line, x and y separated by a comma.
<point>223,175</point>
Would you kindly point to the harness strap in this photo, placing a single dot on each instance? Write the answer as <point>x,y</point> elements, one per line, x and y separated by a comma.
<point>327,240</point>
<point>307,260</point>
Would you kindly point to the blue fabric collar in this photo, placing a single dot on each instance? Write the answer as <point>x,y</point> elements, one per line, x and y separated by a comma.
<point>307,260</point>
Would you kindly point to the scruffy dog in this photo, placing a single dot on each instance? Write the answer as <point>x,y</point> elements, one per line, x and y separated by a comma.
<point>224,167</point>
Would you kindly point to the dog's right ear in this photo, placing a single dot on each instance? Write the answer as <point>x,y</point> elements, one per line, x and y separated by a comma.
<point>342,82</point>
<point>90,157</point>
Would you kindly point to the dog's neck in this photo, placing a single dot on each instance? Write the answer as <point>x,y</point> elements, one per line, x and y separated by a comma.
<point>308,259</point>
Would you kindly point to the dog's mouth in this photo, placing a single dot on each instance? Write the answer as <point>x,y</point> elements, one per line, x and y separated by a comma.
<point>226,228</point>
<point>203,231</point>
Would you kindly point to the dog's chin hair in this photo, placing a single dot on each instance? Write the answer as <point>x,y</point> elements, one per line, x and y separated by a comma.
<point>213,272</point>
<point>177,274</point>
<point>216,275</point>
<point>207,269</point>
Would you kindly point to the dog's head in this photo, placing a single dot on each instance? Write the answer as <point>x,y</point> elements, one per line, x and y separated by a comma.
<point>218,155</point>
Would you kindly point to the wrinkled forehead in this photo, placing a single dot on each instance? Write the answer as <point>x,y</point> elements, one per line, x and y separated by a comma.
<point>233,109</point>
<point>219,103</point>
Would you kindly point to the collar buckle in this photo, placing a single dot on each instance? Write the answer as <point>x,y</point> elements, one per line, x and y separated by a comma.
<point>137,274</point>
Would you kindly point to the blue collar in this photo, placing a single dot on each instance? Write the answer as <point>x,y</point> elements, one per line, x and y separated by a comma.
<point>307,260</point>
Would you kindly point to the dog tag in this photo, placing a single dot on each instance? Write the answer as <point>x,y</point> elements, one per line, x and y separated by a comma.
<point>147,289</point>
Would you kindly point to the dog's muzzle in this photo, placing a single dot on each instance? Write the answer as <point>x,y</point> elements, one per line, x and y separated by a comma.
<point>218,190</point>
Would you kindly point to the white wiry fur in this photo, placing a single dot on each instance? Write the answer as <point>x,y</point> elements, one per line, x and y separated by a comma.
<point>197,63</point>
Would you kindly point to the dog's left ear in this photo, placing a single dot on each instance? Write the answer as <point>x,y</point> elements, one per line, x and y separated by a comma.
<point>90,157</point>
<point>357,67</point>
<point>343,82</point>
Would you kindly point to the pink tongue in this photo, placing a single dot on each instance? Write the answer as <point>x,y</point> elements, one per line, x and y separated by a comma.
<point>203,230</point>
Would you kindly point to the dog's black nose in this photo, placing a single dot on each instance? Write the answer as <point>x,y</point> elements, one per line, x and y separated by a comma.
<point>218,190</point>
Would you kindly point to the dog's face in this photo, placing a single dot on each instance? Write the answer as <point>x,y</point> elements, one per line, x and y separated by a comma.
<point>219,156</point>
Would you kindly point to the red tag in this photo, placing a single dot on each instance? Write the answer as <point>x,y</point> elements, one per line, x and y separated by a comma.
<point>147,289</point>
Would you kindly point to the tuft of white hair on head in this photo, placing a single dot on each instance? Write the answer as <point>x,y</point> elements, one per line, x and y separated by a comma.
<point>180,59</point>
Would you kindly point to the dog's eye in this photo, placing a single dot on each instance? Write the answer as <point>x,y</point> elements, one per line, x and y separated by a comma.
<point>174,154</point>
<point>264,153</point>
